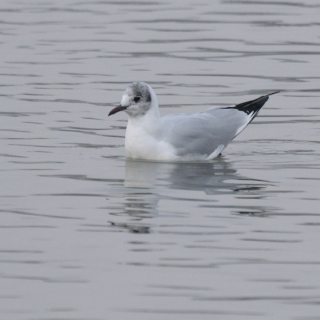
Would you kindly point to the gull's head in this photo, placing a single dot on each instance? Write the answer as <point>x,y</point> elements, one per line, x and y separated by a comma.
<point>136,100</point>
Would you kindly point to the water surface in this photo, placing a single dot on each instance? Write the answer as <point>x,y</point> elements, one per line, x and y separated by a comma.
<point>87,234</point>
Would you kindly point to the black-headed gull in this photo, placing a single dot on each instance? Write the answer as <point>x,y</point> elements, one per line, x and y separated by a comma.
<point>199,136</point>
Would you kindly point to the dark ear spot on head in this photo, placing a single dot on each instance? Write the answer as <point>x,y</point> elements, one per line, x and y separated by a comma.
<point>148,98</point>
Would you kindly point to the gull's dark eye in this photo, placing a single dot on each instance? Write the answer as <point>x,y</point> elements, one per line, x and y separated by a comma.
<point>136,99</point>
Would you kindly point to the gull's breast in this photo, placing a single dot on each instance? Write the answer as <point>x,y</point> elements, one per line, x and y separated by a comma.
<point>139,144</point>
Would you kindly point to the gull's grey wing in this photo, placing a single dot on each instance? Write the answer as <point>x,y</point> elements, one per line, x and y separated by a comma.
<point>203,133</point>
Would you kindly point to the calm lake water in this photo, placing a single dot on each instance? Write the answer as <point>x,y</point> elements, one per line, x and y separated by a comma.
<point>88,235</point>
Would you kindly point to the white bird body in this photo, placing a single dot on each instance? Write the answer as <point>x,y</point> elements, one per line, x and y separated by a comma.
<point>199,136</point>
<point>146,141</point>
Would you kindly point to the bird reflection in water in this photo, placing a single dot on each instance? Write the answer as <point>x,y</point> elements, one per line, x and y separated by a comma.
<point>146,183</point>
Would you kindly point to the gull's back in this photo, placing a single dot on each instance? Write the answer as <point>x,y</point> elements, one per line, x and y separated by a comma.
<point>209,132</point>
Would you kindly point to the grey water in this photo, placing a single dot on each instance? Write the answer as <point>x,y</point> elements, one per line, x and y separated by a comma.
<point>86,234</point>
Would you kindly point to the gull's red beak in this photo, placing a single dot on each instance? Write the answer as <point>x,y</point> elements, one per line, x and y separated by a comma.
<point>117,109</point>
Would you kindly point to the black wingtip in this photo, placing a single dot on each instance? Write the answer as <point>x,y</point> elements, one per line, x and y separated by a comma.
<point>270,94</point>
<point>255,105</point>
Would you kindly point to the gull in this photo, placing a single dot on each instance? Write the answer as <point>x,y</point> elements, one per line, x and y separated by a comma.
<point>176,137</point>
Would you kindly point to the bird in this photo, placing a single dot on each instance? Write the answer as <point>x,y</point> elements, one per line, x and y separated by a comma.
<point>178,137</point>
